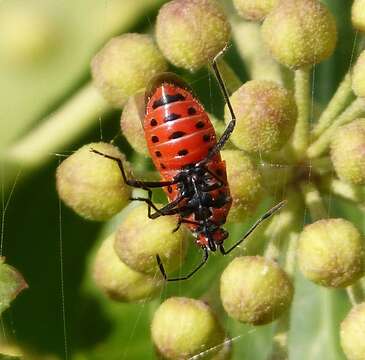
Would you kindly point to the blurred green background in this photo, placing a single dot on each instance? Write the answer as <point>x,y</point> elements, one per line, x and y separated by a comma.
<point>45,50</point>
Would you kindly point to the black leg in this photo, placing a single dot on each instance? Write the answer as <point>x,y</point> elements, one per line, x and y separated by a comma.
<point>227,133</point>
<point>186,277</point>
<point>184,221</point>
<point>133,182</point>
<point>253,227</point>
<point>168,209</point>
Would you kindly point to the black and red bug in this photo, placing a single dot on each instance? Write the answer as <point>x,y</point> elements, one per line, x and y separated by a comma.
<point>183,146</point>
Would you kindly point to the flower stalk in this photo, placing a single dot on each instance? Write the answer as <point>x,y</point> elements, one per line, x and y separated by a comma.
<point>302,97</point>
<point>355,109</point>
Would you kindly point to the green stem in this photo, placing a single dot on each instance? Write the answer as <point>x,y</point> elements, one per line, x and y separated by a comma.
<point>260,65</point>
<point>347,191</point>
<point>300,138</point>
<point>313,201</point>
<point>338,102</point>
<point>355,110</point>
<point>60,129</point>
<point>284,231</point>
<point>356,293</point>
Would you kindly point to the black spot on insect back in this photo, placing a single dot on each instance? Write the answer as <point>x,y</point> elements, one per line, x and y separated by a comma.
<point>167,99</point>
<point>172,117</point>
<point>177,134</point>
<point>155,139</point>
<point>199,125</point>
<point>191,111</point>
<point>182,152</point>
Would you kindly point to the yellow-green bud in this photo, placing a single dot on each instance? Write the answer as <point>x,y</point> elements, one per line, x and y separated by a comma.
<point>191,32</point>
<point>300,33</point>
<point>254,9</point>
<point>183,327</point>
<point>117,280</point>
<point>11,284</point>
<point>331,253</point>
<point>255,290</point>
<point>26,33</point>
<point>358,76</point>
<point>352,333</point>
<point>358,14</point>
<point>139,239</point>
<point>244,182</point>
<point>131,123</point>
<point>266,114</point>
<point>125,65</point>
<point>348,152</point>
<point>92,185</point>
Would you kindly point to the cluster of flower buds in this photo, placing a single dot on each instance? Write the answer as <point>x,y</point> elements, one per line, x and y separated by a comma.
<point>272,127</point>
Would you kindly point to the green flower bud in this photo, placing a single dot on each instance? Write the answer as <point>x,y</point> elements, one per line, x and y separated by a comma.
<point>244,182</point>
<point>352,333</point>
<point>92,185</point>
<point>26,33</point>
<point>255,290</point>
<point>139,239</point>
<point>131,123</point>
<point>117,280</point>
<point>254,9</point>
<point>183,327</point>
<point>348,152</point>
<point>125,65</point>
<point>358,15</point>
<point>11,284</point>
<point>191,32</point>
<point>266,114</point>
<point>300,33</point>
<point>358,76</point>
<point>331,253</point>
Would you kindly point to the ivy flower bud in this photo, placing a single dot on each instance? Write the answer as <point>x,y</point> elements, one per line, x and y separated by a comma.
<point>300,33</point>
<point>348,152</point>
<point>352,333</point>
<point>125,65</point>
<point>358,76</point>
<point>139,239</point>
<point>266,114</point>
<point>183,327</point>
<point>358,15</point>
<point>26,33</point>
<point>244,182</point>
<point>131,123</point>
<point>331,253</point>
<point>254,9</point>
<point>117,280</point>
<point>11,284</point>
<point>92,185</point>
<point>255,290</point>
<point>191,32</point>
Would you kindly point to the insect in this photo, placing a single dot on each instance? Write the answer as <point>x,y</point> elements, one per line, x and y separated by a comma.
<point>184,149</point>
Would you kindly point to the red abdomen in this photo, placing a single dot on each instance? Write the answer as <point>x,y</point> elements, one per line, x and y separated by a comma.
<point>179,133</point>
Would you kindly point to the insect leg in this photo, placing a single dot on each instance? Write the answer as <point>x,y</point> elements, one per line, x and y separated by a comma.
<point>184,221</point>
<point>163,272</point>
<point>166,210</point>
<point>227,132</point>
<point>134,182</point>
<point>253,227</point>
